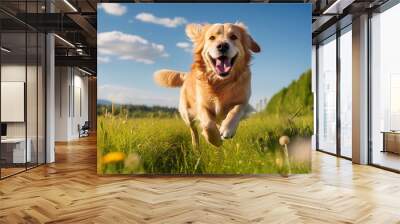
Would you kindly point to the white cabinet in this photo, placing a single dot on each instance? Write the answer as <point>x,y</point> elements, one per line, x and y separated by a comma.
<point>17,147</point>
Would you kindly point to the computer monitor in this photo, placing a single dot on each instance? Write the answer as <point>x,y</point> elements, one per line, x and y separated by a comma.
<point>3,130</point>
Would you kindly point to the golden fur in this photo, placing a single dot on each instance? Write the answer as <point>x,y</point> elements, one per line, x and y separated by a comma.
<point>217,102</point>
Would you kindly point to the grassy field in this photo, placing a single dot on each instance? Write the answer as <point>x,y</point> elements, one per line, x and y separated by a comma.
<point>163,146</point>
<point>135,139</point>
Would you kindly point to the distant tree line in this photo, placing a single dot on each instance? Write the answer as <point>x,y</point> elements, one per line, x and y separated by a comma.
<point>136,111</point>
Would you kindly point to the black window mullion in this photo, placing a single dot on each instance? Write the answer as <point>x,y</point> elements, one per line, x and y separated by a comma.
<point>26,86</point>
<point>45,89</point>
<point>338,73</point>
<point>37,90</point>
<point>0,97</point>
<point>45,94</point>
<point>369,95</point>
<point>316,97</point>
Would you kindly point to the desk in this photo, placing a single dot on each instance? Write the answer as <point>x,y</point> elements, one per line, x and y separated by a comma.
<point>15,148</point>
<point>391,141</point>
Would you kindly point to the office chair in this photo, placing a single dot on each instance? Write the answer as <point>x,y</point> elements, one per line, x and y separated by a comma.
<point>84,130</point>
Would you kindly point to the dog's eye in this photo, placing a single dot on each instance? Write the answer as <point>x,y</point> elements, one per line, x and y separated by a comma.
<point>233,37</point>
<point>211,38</point>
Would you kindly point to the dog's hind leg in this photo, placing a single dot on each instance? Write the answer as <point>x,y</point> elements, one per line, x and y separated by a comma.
<point>193,130</point>
<point>195,135</point>
<point>189,121</point>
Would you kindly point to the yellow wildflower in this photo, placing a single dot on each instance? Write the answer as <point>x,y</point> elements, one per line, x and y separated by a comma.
<point>113,157</point>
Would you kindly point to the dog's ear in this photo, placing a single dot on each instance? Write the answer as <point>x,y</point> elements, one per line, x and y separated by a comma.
<point>194,31</point>
<point>250,42</point>
<point>241,25</point>
<point>253,45</point>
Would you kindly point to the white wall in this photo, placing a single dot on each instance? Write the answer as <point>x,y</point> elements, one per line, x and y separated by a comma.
<point>62,82</point>
<point>80,109</point>
<point>71,87</point>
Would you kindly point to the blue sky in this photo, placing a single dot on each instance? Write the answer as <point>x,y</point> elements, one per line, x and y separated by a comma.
<point>134,40</point>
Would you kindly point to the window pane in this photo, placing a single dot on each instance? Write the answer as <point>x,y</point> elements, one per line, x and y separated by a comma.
<point>385,86</point>
<point>327,95</point>
<point>346,92</point>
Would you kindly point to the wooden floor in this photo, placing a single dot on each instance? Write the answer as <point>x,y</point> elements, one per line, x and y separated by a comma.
<point>5,172</point>
<point>387,159</point>
<point>70,191</point>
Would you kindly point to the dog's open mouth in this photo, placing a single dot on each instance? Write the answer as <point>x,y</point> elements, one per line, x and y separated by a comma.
<point>223,64</point>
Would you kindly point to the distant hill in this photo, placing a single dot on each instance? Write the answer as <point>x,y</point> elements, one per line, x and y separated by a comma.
<point>296,98</point>
<point>103,102</point>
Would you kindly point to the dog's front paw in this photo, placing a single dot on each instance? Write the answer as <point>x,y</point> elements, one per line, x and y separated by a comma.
<point>226,132</point>
<point>211,134</point>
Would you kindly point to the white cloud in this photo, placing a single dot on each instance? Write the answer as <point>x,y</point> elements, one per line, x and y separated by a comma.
<point>167,22</point>
<point>103,60</point>
<point>126,95</point>
<point>183,44</point>
<point>129,47</point>
<point>115,9</point>
<point>188,47</point>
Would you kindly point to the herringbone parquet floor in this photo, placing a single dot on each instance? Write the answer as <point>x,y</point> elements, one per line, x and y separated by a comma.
<point>70,191</point>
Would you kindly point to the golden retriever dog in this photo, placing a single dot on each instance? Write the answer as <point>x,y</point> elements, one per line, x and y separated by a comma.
<point>217,89</point>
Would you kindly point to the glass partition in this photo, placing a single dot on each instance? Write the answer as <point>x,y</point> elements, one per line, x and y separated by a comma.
<point>22,91</point>
<point>13,110</point>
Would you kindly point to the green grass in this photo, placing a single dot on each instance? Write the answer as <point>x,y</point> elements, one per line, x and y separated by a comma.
<point>163,146</point>
<point>155,140</point>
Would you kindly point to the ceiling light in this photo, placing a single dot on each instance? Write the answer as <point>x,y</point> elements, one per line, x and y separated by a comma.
<point>5,50</point>
<point>64,40</point>
<point>338,6</point>
<point>84,71</point>
<point>79,51</point>
<point>331,7</point>
<point>70,5</point>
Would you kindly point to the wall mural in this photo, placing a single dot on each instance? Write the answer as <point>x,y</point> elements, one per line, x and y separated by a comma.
<point>204,89</point>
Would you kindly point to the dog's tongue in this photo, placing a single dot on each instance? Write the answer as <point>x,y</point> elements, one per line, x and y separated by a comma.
<point>223,65</point>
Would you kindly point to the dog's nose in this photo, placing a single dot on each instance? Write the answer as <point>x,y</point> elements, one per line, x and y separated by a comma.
<point>223,47</point>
